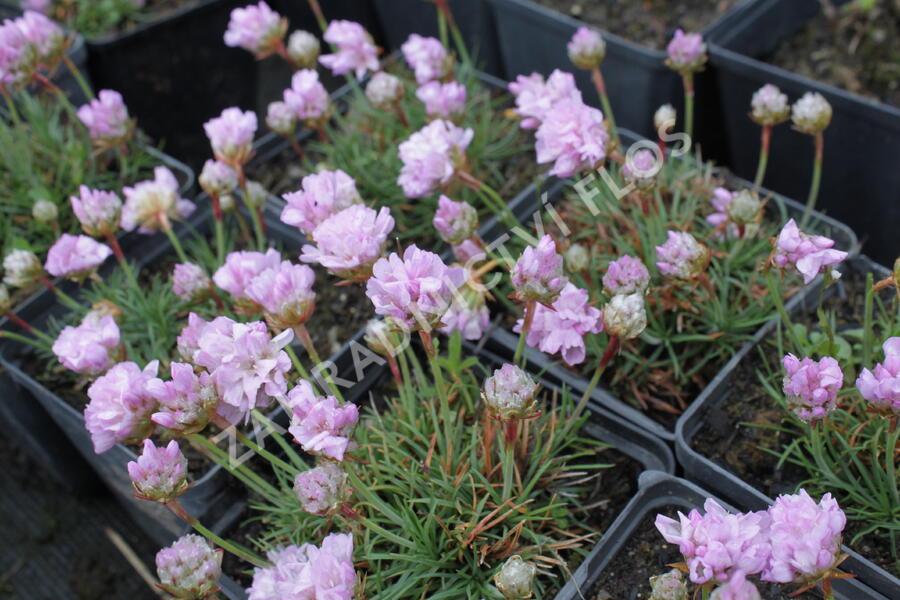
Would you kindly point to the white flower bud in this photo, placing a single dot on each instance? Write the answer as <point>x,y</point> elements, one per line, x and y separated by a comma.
<point>664,118</point>
<point>303,49</point>
<point>577,258</point>
<point>625,316</point>
<point>510,393</point>
<point>769,106</point>
<point>21,268</point>
<point>515,578</point>
<point>255,195</point>
<point>44,211</point>
<point>744,208</point>
<point>811,113</point>
<point>384,90</point>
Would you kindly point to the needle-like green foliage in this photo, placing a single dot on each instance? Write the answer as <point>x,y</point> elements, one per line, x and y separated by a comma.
<point>97,17</point>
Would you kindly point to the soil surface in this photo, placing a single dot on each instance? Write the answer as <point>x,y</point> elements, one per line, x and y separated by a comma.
<point>648,22</point>
<point>646,554</point>
<point>852,49</point>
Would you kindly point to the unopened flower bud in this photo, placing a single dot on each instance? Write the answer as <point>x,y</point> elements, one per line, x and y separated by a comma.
<point>322,490</point>
<point>577,258</point>
<point>190,282</point>
<point>625,316</point>
<point>21,267</point>
<point>44,211</point>
<point>255,195</point>
<point>217,179</point>
<point>664,118</point>
<point>510,393</point>
<point>515,578</point>
<point>682,256</point>
<point>378,337</point>
<point>811,113</point>
<point>687,52</point>
<point>745,208</point>
<point>626,275</point>
<point>281,119</point>
<point>586,48</point>
<point>538,274</point>
<point>160,474</point>
<point>769,106</point>
<point>5,300</point>
<point>189,568</point>
<point>455,221</point>
<point>303,49</point>
<point>668,586</point>
<point>641,168</point>
<point>384,90</point>
<point>226,201</point>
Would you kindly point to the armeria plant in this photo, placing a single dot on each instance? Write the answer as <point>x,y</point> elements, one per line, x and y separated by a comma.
<point>93,18</point>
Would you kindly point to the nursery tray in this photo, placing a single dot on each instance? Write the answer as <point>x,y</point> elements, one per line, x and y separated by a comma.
<point>657,491</point>
<point>722,481</point>
<point>861,143</point>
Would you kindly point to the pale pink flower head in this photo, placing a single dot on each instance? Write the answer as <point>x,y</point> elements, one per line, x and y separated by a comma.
<point>190,282</point>
<point>75,257</point>
<point>805,537</point>
<point>687,52</point>
<point>217,179</point>
<point>384,90</point>
<point>626,275</point>
<point>430,157</point>
<point>736,588</point>
<point>355,50</point>
<point>625,316</point>
<point>285,294</point>
<point>573,137</point>
<point>241,267</point>
<point>808,254</point>
<point>469,250</point>
<point>415,290</point>
<point>231,135</point>
<point>246,364</point>
<point>320,196</point>
<point>303,49</point>
<point>720,201</point>
<point>188,340</point>
<point>256,28</point>
<point>189,568</point>
<point>455,221</point>
<point>349,243</point>
<point>717,544</point>
<point>811,387</point>
<point>322,426</point>
<point>154,203</point>
<point>641,169</point>
<point>47,39</point>
<point>88,348</point>
<point>881,385</point>
<point>682,256</point>
<point>443,100</point>
<point>41,6</point>
<point>120,407</point>
<point>323,489</point>
<point>510,393</point>
<point>535,98</point>
<point>308,572</point>
<point>426,56</point>
<point>811,114</point>
<point>17,55</point>
<point>586,48</point>
<point>468,314</point>
<point>106,118</point>
<point>561,330</point>
<point>769,106</point>
<point>281,118</point>
<point>538,275</point>
<point>159,474</point>
<point>307,97</point>
<point>98,211</point>
<point>187,402</point>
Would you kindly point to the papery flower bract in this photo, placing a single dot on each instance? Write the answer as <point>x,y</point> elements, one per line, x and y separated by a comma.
<point>75,257</point>
<point>307,97</point>
<point>241,267</point>
<point>808,254</point>
<point>881,386</point>
<point>687,52</point>
<point>515,578</point>
<point>805,537</point>
<point>538,274</point>
<point>189,568</point>
<point>349,242</point>
<point>769,106</point>
<point>308,572</point>
<point>510,393</point>
<point>415,290</point>
<point>626,275</point>
<point>384,90</point>
<point>811,387</point>
<point>187,402</point>
<point>159,474</point>
<point>323,489</point>
<point>231,135</point>
<point>106,118</point>
<point>320,196</point>
<point>322,426</point>
<point>455,221</point>
<point>21,268</point>
<point>625,316</point>
<point>736,588</point>
<point>285,294</point>
<point>562,328</point>
<point>152,204</point>
<point>430,157</point>
<point>281,118</point>
<point>355,51</point>
<point>745,208</point>
<point>573,137</point>
<point>811,114</point>
<point>303,49</point>
<point>444,100</point>
<point>98,211</point>
<point>535,98</point>
<point>256,28</point>
<point>120,407</point>
<point>378,337</point>
<point>426,56</point>
<point>682,256</point>
<point>86,349</point>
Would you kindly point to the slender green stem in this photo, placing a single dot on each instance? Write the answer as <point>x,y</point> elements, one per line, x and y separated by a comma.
<point>79,77</point>
<point>257,227</point>
<point>819,140</point>
<point>220,240</point>
<point>509,465</point>
<point>245,440</point>
<point>11,106</point>
<point>286,446</point>
<point>612,349</point>
<point>297,364</point>
<point>763,157</point>
<point>239,470</point>
<point>442,27</point>
<point>868,332</point>
<point>233,547</point>
<point>305,339</point>
<point>599,83</point>
<point>26,340</point>
<point>527,319</point>
<point>175,243</point>
<point>320,17</point>
<point>688,80</point>
<point>457,36</point>
<point>64,297</point>
<point>123,162</point>
<point>775,293</point>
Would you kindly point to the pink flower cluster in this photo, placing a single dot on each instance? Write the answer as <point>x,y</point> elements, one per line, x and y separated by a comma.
<point>355,50</point>
<point>285,294</point>
<point>626,275</point>
<point>153,204</point>
<point>307,97</point>
<point>30,42</point>
<point>468,314</point>
<point>430,157</point>
<point>443,100</point>
<point>159,474</point>
<point>573,137</point>
<point>538,275</point>
<point>217,179</point>
<point>812,387</point>
<point>426,56</point>
<point>241,267</point>
<point>720,200</point>
<point>106,118</point>
<point>190,282</point>
<point>321,195</point>
<point>187,402</point>
<point>88,348</point>
<point>349,243</point>
<point>231,136</point>
<point>189,568</point>
<point>687,51</point>
<point>75,257</point>
<point>881,385</point>
<point>562,328</point>
<point>455,221</point>
<point>808,254</point>
<point>308,571</point>
<point>120,406</point>
<point>586,49</point>
<point>535,98</point>
<point>323,489</point>
<point>256,28</point>
<point>682,256</point>
<point>98,211</point>
<point>321,425</point>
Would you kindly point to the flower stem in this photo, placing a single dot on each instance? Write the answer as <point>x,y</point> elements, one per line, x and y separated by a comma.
<point>305,339</point>
<point>123,262</point>
<point>530,309</point>
<point>688,79</point>
<point>79,77</point>
<point>66,299</point>
<point>167,227</point>
<point>816,179</point>
<point>611,350</point>
<point>245,440</point>
<point>317,11</point>
<point>23,339</point>
<point>233,547</point>
<point>597,76</point>
<point>763,157</point>
<point>775,292</point>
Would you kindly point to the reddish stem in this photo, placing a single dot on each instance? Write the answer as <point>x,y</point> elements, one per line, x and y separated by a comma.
<point>116,248</point>
<point>217,206</point>
<point>597,78</point>
<point>425,336</point>
<point>511,431</point>
<point>49,284</point>
<point>611,350</point>
<point>402,115</point>
<point>296,146</point>
<point>18,321</point>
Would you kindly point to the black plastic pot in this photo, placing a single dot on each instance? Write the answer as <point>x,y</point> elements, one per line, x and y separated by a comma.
<point>700,468</point>
<point>175,73</point>
<point>861,142</point>
<point>475,19</point>
<point>659,491</point>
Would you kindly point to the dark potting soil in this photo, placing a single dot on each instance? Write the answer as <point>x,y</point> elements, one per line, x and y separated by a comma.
<point>645,554</point>
<point>849,48</point>
<point>736,434</point>
<point>648,22</point>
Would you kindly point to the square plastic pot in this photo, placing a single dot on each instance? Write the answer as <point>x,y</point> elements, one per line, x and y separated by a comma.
<point>658,491</point>
<point>861,142</point>
<point>698,467</point>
